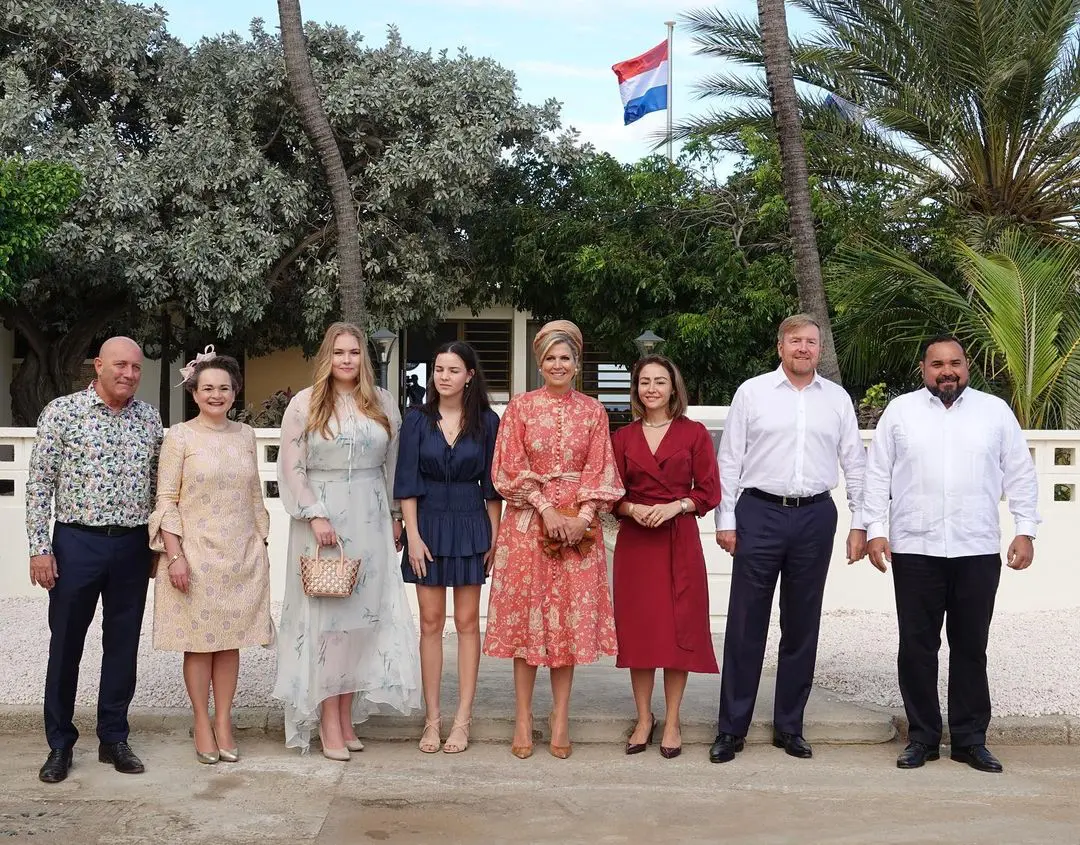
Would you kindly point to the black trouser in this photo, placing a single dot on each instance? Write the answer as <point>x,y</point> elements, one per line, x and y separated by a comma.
<point>959,591</point>
<point>793,545</point>
<point>117,569</point>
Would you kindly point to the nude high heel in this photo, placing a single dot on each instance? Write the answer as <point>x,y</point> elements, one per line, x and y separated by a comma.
<point>559,751</point>
<point>341,755</point>
<point>523,752</point>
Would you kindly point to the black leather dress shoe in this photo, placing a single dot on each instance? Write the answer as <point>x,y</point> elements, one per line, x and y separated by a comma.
<point>121,757</point>
<point>57,765</point>
<point>917,754</point>
<point>725,747</point>
<point>793,744</point>
<point>978,757</point>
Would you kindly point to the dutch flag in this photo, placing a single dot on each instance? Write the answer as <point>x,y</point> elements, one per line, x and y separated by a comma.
<point>643,83</point>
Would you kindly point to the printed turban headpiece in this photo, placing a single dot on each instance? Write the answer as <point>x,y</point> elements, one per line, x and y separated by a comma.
<point>557,331</point>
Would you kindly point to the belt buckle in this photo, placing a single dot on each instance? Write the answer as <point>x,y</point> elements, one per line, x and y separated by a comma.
<point>784,501</point>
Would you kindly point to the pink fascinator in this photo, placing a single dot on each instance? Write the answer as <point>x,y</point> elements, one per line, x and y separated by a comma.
<point>189,370</point>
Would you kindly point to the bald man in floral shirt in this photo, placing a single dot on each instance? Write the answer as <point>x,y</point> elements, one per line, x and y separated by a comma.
<point>94,469</point>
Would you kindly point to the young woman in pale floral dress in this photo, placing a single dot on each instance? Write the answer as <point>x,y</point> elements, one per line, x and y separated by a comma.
<point>341,659</point>
<point>212,592</point>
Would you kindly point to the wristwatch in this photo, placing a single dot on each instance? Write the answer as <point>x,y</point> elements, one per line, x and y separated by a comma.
<point>682,505</point>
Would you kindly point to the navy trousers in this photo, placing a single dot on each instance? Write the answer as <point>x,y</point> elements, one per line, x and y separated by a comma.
<point>794,546</point>
<point>118,570</point>
<point>960,592</point>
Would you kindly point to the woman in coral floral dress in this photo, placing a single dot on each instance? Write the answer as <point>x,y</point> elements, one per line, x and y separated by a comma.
<point>553,453</point>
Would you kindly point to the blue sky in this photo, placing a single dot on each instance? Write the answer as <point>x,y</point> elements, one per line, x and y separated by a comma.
<point>557,48</point>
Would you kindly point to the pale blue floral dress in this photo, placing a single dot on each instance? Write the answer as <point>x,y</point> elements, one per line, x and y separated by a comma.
<point>365,643</point>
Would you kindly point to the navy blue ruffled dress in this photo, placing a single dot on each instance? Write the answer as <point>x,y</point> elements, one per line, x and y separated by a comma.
<point>452,486</point>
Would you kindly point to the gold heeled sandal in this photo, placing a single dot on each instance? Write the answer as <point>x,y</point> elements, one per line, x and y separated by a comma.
<point>458,747</point>
<point>425,744</point>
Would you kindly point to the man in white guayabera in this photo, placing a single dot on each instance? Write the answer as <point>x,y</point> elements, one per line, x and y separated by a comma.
<point>940,461</point>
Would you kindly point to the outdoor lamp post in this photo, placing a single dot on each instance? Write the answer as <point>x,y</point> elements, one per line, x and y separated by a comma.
<point>383,341</point>
<point>646,342</point>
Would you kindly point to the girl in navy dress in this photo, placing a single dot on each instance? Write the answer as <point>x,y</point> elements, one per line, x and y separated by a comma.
<point>451,513</point>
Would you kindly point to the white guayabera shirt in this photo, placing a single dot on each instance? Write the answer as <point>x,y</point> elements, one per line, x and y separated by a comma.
<point>787,442</point>
<point>939,473</point>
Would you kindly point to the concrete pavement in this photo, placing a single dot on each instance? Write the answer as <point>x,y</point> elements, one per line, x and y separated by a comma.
<point>392,793</point>
<point>602,709</point>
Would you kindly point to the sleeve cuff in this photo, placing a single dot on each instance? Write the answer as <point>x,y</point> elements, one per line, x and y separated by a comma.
<point>314,511</point>
<point>858,520</point>
<point>725,521</point>
<point>42,550</point>
<point>587,512</point>
<point>875,531</point>
<point>1026,528</point>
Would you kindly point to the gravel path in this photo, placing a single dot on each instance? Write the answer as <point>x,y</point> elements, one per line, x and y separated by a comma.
<point>1033,660</point>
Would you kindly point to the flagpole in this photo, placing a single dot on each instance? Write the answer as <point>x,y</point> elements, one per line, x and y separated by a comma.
<point>671,78</point>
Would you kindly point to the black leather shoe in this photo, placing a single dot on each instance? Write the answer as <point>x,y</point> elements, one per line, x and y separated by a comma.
<point>638,747</point>
<point>917,754</point>
<point>725,747</point>
<point>121,757</point>
<point>57,765</point>
<point>978,757</point>
<point>793,744</point>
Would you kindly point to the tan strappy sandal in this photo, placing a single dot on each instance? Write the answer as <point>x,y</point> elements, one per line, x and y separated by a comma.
<point>450,747</point>
<point>426,745</point>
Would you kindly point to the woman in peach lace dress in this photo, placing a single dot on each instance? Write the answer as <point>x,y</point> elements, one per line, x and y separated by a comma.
<point>212,591</point>
<point>555,468</point>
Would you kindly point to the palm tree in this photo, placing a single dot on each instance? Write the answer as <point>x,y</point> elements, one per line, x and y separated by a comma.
<point>317,127</point>
<point>971,100</point>
<point>785,110</point>
<point>1017,311</point>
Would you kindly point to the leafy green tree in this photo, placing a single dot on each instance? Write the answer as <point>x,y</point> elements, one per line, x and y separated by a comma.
<point>971,101</point>
<point>204,211</point>
<point>34,195</point>
<point>1017,311</point>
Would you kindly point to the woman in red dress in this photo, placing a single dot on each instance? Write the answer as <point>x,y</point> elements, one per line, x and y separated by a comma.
<point>554,467</point>
<point>668,467</point>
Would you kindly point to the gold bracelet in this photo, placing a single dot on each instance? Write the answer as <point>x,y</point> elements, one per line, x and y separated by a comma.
<point>630,509</point>
<point>174,559</point>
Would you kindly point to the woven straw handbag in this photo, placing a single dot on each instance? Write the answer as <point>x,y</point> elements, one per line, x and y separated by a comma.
<point>325,577</point>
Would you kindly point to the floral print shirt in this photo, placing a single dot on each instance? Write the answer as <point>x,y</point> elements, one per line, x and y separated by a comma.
<point>97,466</point>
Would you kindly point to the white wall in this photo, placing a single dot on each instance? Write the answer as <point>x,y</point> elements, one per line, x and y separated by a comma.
<point>1053,582</point>
<point>7,355</point>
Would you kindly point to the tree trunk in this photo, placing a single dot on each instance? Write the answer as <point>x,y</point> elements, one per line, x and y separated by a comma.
<point>52,362</point>
<point>164,377</point>
<point>317,128</point>
<point>785,108</point>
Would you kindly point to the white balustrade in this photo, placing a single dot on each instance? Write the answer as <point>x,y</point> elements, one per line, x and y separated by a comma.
<point>1053,582</point>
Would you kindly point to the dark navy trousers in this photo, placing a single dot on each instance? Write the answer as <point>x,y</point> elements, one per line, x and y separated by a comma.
<point>116,569</point>
<point>794,546</point>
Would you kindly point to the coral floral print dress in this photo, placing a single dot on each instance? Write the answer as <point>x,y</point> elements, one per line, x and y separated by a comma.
<point>551,449</point>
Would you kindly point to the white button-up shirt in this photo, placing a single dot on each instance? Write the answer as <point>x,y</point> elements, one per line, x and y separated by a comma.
<point>939,473</point>
<point>786,441</point>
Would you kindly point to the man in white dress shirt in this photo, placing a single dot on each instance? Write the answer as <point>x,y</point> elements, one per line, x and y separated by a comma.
<point>783,435</point>
<point>940,461</point>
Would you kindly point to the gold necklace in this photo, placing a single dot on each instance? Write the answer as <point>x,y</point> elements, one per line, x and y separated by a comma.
<point>209,427</point>
<point>648,424</point>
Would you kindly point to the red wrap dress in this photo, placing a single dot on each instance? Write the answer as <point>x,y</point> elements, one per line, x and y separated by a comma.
<point>661,588</point>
